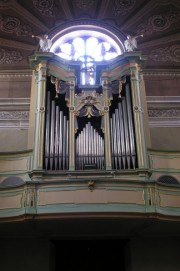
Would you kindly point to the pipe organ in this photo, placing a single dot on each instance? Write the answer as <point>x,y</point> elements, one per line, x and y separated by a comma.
<point>89,146</point>
<point>86,127</point>
<point>56,147</point>
<point>89,149</point>
<point>123,150</point>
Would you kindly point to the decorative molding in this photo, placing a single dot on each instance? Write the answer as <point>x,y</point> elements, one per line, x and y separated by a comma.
<point>15,74</point>
<point>159,22</point>
<point>10,56</point>
<point>13,25</point>
<point>14,115</point>
<point>122,7</point>
<point>45,7</point>
<point>159,72</point>
<point>166,54</point>
<point>164,111</point>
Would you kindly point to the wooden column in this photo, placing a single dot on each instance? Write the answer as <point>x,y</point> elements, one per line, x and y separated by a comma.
<point>107,139</point>
<point>71,126</point>
<point>39,116</point>
<point>138,116</point>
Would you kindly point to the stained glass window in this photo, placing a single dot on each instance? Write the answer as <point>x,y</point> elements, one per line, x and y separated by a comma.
<point>87,47</point>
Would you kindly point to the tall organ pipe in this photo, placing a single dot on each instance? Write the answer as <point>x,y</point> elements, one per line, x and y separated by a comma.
<point>130,123</point>
<point>122,134</point>
<point>89,148</point>
<point>56,137</point>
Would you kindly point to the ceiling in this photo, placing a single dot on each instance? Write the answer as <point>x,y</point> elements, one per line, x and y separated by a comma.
<point>158,21</point>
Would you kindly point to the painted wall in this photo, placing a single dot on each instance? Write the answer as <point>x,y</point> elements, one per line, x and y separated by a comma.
<point>13,140</point>
<point>165,138</point>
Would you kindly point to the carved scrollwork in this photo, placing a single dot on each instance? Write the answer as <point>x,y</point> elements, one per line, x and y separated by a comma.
<point>171,53</point>
<point>89,104</point>
<point>10,57</point>
<point>13,115</point>
<point>45,7</point>
<point>159,22</point>
<point>14,25</point>
<point>163,113</point>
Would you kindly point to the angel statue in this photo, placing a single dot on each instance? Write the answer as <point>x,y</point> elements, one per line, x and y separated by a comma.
<point>44,43</point>
<point>131,43</point>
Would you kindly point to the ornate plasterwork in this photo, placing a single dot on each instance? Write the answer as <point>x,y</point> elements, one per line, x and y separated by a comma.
<point>14,119</point>
<point>14,115</point>
<point>89,104</point>
<point>45,7</point>
<point>13,25</point>
<point>122,7</point>
<point>10,57</point>
<point>163,113</point>
<point>159,22</point>
<point>166,54</point>
<point>85,4</point>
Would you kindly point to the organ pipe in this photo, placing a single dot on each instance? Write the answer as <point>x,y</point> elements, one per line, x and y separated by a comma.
<point>122,134</point>
<point>56,137</point>
<point>89,148</point>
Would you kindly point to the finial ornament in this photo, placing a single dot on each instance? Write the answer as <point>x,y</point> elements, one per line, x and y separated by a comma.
<point>131,42</point>
<point>44,42</point>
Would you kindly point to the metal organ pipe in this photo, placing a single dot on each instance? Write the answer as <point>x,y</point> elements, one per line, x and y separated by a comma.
<point>122,135</point>
<point>56,137</point>
<point>89,148</point>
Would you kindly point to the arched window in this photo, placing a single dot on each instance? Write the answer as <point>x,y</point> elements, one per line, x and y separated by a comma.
<point>87,47</point>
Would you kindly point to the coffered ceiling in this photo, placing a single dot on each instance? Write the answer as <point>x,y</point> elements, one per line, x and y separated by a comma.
<point>158,21</point>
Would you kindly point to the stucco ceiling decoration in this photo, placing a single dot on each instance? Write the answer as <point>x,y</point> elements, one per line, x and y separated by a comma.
<point>166,54</point>
<point>45,7</point>
<point>159,21</point>
<point>14,25</point>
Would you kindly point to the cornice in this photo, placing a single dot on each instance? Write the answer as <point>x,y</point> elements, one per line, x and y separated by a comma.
<point>15,73</point>
<point>161,72</point>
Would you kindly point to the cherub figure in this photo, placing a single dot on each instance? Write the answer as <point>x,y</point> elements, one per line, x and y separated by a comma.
<point>44,42</point>
<point>131,43</point>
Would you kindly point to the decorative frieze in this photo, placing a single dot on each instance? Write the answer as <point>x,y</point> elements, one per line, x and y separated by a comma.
<point>45,7</point>
<point>166,54</point>
<point>14,115</point>
<point>163,111</point>
<point>10,56</point>
<point>13,25</point>
<point>159,22</point>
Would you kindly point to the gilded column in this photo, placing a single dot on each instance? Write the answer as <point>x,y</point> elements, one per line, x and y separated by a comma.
<point>107,126</point>
<point>39,116</point>
<point>71,126</point>
<point>138,116</point>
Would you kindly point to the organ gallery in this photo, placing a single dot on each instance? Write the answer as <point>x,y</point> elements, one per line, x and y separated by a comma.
<point>88,119</point>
